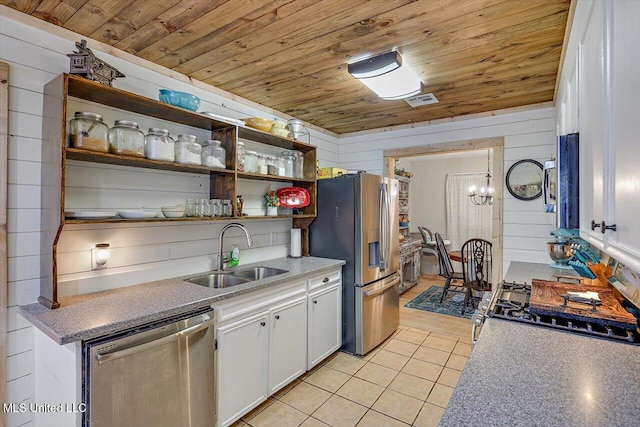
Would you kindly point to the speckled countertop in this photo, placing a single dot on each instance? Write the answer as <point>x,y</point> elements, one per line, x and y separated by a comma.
<point>525,375</point>
<point>89,316</point>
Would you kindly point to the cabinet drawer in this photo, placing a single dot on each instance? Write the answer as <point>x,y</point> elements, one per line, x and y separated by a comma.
<point>247,304</point>
<point>325,279</point>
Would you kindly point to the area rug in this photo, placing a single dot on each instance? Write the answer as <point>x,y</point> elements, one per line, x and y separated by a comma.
<point>429,300</point>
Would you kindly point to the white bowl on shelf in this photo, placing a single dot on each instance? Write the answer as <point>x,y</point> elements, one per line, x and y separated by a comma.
<point>136,214</point>
<point>173,211</point>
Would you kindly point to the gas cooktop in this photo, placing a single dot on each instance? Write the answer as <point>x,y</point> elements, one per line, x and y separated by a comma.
<point>511,302</point>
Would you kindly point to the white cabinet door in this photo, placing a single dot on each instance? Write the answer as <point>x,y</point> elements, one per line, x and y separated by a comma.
<point>325,323</point>
<point>287,343</point>
<point>242,359</point>
<point>592,125</point>
<point>624,243</point>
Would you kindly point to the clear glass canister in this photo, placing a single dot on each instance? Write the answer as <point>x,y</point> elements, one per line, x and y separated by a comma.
<point>187,150</point>
<point>213,154</point>
<point>288,160</point>
<point>158,145</point>
<point>227,209</point>
<point>89,132</point>
<point>241,157</point>
<point>280,164</point>
<point>262,164</point>
<point>251,162</point>
<point>272,166</point>
<point>298,164</point>
<point>216,207</point>
<point>126,138</point>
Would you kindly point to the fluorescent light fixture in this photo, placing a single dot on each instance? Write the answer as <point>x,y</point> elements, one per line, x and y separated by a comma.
<point>387,76</point>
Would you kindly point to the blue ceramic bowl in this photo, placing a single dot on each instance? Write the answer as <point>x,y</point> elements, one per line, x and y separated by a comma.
<point>180,99</point>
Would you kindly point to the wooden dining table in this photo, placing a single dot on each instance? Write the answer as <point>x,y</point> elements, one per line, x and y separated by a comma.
<point>455,256</point>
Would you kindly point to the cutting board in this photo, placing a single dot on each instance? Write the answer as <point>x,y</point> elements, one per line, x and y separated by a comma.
<point>546,299</point>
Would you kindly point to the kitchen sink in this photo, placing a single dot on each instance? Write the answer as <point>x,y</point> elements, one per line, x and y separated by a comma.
<point>257,273</point>
<point>218,280</point>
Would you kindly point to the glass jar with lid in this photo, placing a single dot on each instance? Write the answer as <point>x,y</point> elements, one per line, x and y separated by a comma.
<point>298,164</point>
<point>88,131</point>
<point>288,161</point>
<point>241,157</point>
<point>272,168</point>
<point>262,164</point>
<point>213,154</point>
<point>187,150</point>
<point>126,138</point>
<point>158,145</point>
<point>227,208</point>
<point>251,162</point>
<point>280,165</point>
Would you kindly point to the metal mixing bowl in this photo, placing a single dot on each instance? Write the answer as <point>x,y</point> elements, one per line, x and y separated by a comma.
<point>560,252</point>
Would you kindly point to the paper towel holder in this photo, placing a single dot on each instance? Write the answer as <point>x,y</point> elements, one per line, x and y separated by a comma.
<point>295,248</point>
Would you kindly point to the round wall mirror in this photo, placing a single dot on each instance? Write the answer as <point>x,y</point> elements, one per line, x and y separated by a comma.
<point>524,179</point>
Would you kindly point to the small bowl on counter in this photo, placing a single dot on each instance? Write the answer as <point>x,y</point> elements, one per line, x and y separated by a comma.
<point>264,125</point>
<point>173,211</point>
<point>180,99</point>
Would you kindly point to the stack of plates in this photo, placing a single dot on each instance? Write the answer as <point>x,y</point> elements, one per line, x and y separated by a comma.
<point>89,214</point>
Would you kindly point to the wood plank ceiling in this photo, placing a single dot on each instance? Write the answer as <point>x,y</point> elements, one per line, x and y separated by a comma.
<point>291,55</point>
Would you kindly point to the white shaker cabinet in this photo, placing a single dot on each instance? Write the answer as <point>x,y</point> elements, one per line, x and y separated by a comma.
<point>591,122</point>
<point>265,339</point>
<point>325,316</point>
<point>287,343</point>
<point>242,366</point>
<point>624,200</point>
<point>609,42</point>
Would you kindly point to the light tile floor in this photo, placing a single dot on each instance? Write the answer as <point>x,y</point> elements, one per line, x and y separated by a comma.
<point>406,381</point>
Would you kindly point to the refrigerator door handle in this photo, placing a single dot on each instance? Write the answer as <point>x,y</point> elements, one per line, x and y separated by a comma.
<point>383,261</point>
<point>382,289</point>
<point>387,223</point>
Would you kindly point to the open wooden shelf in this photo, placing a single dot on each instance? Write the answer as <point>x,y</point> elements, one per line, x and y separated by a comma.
<point>139,162</point>
<point>262,177</point>
<point>223,183</point>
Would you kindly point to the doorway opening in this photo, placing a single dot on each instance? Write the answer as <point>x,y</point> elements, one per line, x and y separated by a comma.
<point>432,164</point>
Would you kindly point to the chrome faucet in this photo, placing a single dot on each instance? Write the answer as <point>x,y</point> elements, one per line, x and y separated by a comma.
<point>220,260</point>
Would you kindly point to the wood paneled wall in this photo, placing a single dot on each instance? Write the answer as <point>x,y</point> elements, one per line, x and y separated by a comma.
<point>142,252</point>
<point>4,138</point>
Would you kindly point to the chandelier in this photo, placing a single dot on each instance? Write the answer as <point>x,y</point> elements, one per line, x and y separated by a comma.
<point>485,197</point>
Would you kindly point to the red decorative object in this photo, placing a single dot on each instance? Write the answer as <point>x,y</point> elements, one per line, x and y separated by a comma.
<point>294,197</point>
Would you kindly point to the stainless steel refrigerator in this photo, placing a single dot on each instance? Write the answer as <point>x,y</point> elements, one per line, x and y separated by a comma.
<point>358,221</point>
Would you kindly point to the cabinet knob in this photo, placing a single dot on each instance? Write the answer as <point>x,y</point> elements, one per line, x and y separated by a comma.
<point>277,316</point>
<point>325,280</point>
<point>595,225</point>
<point>263,324</point>
<point>315,301</point>
<point>604,227</point>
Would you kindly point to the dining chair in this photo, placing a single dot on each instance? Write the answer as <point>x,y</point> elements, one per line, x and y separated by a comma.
<point>446,267</point>
<point>476,269</point>
<point>427,237</point>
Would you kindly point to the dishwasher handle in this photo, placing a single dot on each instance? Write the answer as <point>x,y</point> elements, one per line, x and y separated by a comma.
<point>206,322</point>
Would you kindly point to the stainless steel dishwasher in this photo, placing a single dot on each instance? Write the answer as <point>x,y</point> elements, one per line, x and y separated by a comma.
<point>160,375</point>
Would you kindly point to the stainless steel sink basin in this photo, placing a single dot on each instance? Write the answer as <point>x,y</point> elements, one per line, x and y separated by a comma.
<point>257,273</point>
<point>218,280</point>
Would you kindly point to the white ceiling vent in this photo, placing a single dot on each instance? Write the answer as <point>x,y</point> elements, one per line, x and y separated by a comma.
<point>420,100</point>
